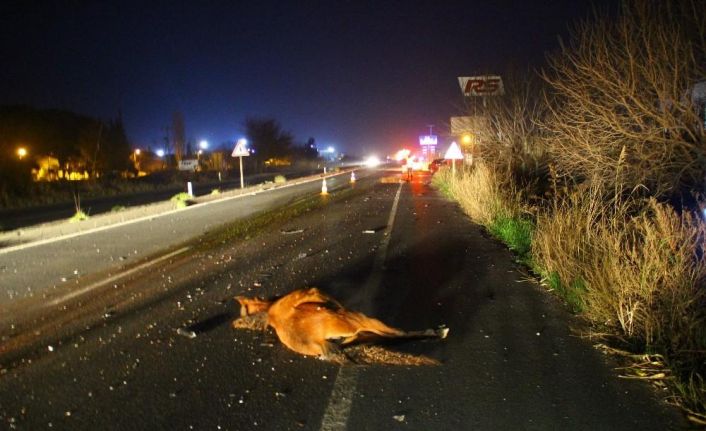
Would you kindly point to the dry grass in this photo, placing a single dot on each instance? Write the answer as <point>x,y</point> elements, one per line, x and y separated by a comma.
<point>641,268</point>
<point>643,273</point>
<point>563,241</point>
<point>482,192</point>
<point>646,276</point>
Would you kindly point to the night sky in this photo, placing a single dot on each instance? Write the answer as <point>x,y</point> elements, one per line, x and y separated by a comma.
<point>363,76</point>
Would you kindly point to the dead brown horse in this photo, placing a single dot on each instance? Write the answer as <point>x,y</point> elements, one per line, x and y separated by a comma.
<point>312,323</point>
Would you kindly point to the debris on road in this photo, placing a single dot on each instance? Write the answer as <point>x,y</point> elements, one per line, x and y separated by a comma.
<point>186,333</point>
<point>368,231</point>
<point>398,418</point>
<point>292,232</point>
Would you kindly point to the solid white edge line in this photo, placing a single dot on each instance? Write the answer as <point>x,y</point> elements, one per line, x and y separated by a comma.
<point>149,217</point>
<point>111,279</point>
<point>340,402</point>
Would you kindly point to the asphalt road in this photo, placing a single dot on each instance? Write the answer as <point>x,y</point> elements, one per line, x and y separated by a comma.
<point>33,265</point>
<point>17,218</point>
<point>113,358</point>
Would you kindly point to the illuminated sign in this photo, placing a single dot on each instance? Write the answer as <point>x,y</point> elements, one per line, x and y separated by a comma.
<point>428,143</point>
<point>427,140</point>
<point>488,85</point>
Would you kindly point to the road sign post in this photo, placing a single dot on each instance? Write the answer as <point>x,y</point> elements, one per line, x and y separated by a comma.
<point>453,153</point>
<point>242,182</point>
<point>241,151</point>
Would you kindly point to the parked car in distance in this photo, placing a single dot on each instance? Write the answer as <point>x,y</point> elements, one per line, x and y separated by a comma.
<point>437,163</point>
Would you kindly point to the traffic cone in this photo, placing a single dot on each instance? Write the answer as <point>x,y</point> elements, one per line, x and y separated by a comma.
<point>352,177</point>
<point>324,189</point>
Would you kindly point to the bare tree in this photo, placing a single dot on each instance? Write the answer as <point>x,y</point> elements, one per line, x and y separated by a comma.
<point>506,127</point>
<point>266,137</point>
<point>621,108</point>
<point>179,135</point>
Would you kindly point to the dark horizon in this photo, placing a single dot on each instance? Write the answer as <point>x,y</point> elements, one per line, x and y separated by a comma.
<point>360,76</point>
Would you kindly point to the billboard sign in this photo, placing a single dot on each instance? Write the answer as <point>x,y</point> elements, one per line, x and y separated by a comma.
<point>428,144</point>
<point>427,140</point>
<point>188,164</point>
<point>486,85</point>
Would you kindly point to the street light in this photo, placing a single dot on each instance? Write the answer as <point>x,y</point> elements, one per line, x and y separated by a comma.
<point>203,144</point>
<point>135,158</point>
<point>21,152</point>
<point>160,153</point>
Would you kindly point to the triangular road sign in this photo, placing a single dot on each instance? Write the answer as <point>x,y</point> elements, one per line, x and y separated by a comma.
<point>453,153</point>
<point>240,150</point>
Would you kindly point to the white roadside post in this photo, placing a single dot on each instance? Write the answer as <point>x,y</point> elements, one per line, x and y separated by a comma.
<point>241,151</point>
<point>453,153</point>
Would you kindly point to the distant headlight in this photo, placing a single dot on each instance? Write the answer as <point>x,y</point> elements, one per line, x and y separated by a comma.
<point>372,162</point>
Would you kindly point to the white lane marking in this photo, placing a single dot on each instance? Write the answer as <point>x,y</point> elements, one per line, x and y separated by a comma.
<point>113,278</point>
<point>151,217</point>
<point>341,400</point>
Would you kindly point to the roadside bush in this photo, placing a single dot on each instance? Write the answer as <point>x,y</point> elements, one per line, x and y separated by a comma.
<point>181,200</point>
<point>78,216</point>
<point>623,108</point>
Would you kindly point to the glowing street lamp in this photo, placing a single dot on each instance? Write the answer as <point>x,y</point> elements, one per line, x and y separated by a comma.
<point>135,158</point>
<point>203,144</point>
<point>21,152</point>
<point>160,153</point>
